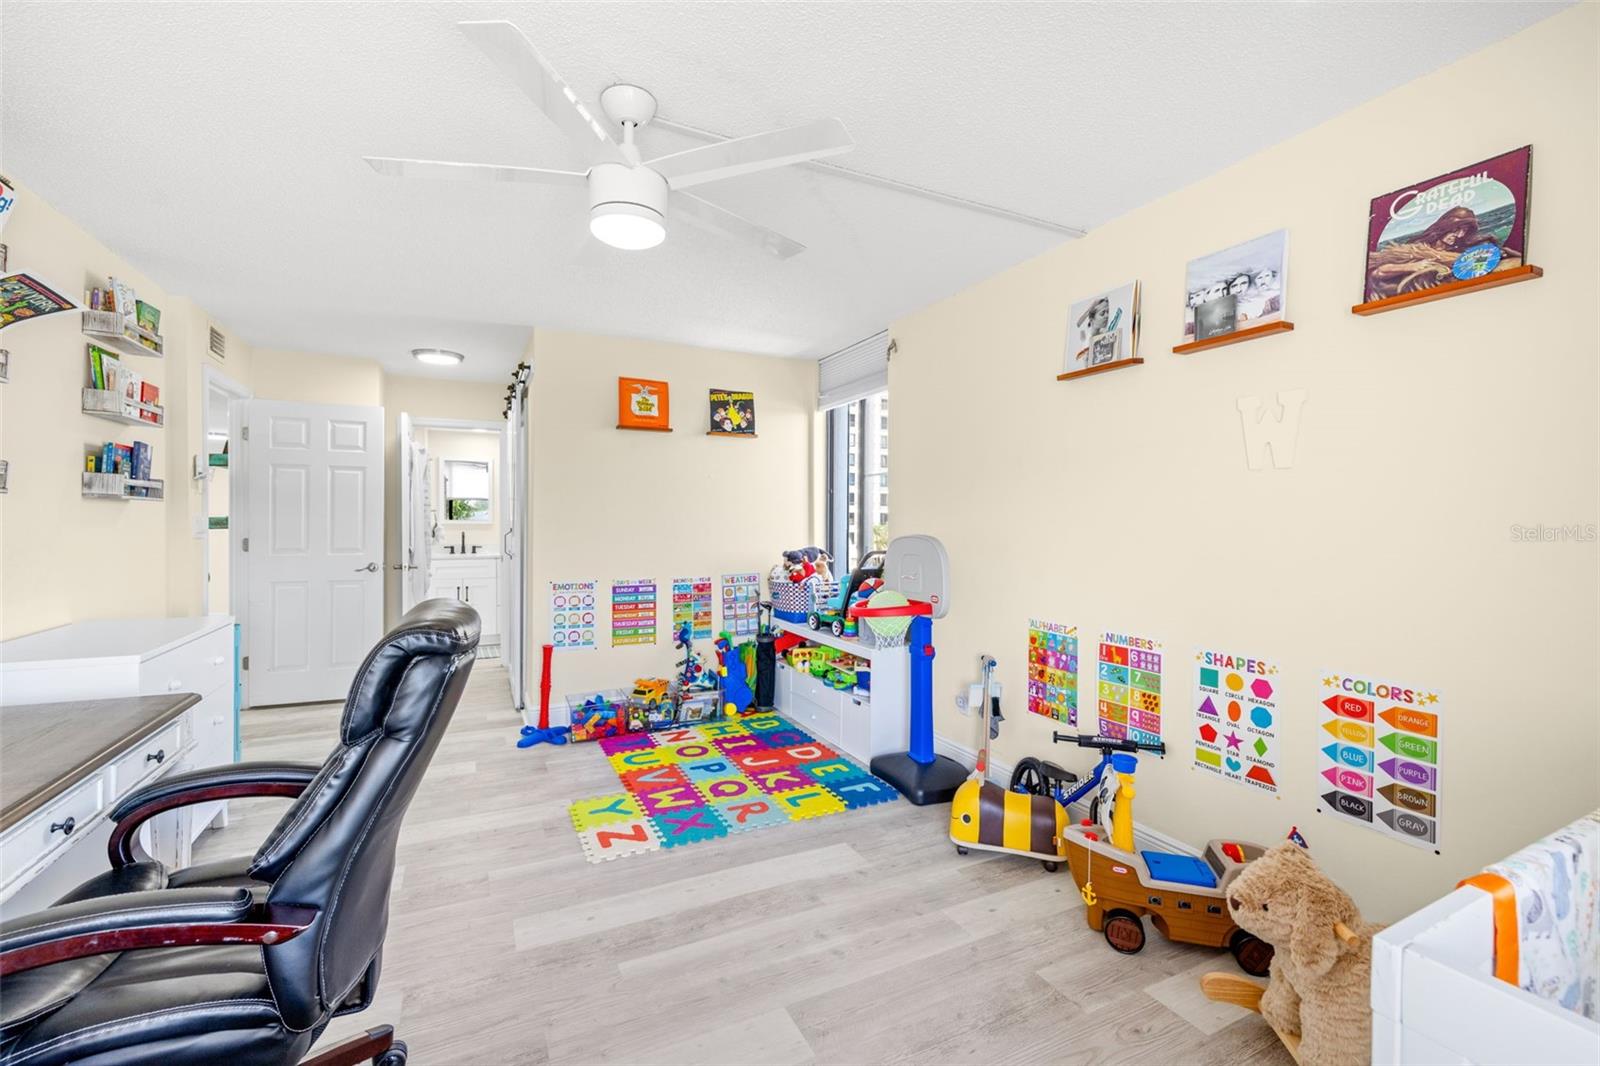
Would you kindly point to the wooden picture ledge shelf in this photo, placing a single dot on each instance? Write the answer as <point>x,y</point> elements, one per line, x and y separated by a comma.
<point>1526,272</point>
<point>1086,371</point>
<point>1249,333</point>
<point>645,429</point>
<point>733,436</point>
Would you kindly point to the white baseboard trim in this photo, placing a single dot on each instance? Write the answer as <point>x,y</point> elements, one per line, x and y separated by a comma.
<point>1144,838</point>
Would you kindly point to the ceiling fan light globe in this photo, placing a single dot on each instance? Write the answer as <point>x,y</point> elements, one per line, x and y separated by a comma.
<point>629,227</point>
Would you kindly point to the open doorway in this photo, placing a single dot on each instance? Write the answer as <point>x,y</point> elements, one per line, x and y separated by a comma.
<point>223,584</point>
<point>459,525</point>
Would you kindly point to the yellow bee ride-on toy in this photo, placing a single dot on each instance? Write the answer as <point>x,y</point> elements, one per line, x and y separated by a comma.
<point>989,817</point>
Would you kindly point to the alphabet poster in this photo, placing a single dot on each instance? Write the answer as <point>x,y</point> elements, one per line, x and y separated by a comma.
<point>1236,718</point>
<point>633,611</point>
<point>572,614</point>
<point>1130,688</point>
<point>1053,670</point>
<point>691,603</point>
<point>1378,756</point>
<point>741,594</point>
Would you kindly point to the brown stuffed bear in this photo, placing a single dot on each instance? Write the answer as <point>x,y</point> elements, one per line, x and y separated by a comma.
<point>1320,984</point>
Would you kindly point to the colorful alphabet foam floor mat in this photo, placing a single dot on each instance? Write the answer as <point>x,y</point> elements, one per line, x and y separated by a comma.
<point>702,782</point>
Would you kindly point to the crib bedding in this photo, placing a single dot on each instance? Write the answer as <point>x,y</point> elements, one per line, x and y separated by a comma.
<point>1557,884</point>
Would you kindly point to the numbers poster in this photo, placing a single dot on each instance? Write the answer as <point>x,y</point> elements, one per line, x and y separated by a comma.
<point>572,613</point>
<point>1053,670</point>
<point>1236,718</point>
<point>741,595</point>
<point>1378,755</point>
<point>1130,687</point>
<point>691,602</point>
<point>633,611</point>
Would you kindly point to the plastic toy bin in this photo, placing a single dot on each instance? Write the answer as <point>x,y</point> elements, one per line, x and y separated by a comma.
<point>595,714</point>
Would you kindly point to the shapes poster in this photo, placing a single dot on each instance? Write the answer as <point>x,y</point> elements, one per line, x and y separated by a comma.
<point>1130,688</point>
<point>691,603</point>
<point>1378,756</point>
<point>572,613</point>
<point>1053,670</point>
<point>633,611</point>
<point>741,595</point>
<point>1236,718</point>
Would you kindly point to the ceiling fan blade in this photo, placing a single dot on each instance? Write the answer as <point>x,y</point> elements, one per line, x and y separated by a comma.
<point>761,151</point>
<point>513,53</point>
<point>709,216</point>
<point>432,168</point>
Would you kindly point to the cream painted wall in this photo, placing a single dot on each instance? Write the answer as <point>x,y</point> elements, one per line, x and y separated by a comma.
<point>445,445</point>
<point>51,535</point>
<point>1123,500</point>
<point>609,503</point>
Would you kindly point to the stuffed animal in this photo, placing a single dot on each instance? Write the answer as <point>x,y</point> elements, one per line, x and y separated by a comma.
<point>1320,984</point>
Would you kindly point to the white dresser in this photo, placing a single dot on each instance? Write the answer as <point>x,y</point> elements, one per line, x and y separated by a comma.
<point>136,657</point>
<point>472,579</point>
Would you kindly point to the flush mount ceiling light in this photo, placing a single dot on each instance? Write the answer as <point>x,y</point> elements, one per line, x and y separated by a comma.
<point>437,356</point>
<point>630,196</point>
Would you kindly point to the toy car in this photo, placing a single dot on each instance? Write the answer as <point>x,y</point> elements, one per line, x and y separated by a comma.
<point>652,691</point>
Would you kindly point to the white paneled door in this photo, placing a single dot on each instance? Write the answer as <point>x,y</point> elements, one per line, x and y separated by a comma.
<point>315,529</point>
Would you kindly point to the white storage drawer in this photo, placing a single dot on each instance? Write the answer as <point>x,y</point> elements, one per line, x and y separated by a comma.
<point>202,666</point>
<point>33,839</point>
<point>147,759</point>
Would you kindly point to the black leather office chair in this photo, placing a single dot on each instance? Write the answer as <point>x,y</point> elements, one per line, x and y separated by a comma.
<point>245,962</point>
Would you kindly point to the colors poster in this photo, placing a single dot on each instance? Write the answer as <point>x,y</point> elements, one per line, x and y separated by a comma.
<point>741,596</point>
<point>633,611</point>
<point>691,603</point>
<point>1378,755</point>
<point>1130,687</point>
<point>1236,718</point>
<point>572,614</point>
<point>1053,670</point>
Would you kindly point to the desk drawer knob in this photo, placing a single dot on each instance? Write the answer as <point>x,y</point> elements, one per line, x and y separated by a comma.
<point>64,828</point>
<point>158,756</point>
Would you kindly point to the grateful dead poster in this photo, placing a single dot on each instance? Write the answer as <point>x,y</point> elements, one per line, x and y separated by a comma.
<point>1455,227</point>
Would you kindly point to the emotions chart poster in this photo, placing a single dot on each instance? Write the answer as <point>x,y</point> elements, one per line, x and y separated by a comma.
<point>1236,718</point>
<point>572,614</point>
<point>1378,755</point>
<point>1053,670</point>
<point>1130,687</point>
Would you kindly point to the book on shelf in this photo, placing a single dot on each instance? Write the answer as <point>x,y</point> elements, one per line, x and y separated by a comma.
<point>149,397</point>
<point>148,317</point>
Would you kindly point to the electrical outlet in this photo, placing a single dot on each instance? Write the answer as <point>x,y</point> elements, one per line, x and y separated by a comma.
<point>199,526</point>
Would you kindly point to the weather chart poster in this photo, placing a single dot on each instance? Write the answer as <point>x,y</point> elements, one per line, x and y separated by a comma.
<point>1053,670</point>
<point>572,613</point>
<point>741,598</point>
<point>1378,755</point>
<point>633,611</point>
<point>691,602</point>
<point>1236,718</point>
<point>1130,688</point>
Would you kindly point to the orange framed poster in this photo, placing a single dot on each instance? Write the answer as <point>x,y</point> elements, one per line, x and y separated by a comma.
<point>643,404</point>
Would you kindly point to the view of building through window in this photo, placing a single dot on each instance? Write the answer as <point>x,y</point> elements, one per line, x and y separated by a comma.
<point>858,503</point>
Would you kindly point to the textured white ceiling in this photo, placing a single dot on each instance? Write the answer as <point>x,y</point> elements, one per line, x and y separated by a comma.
<point>217,146</point>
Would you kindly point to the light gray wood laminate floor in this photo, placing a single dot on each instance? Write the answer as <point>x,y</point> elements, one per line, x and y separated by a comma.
<point>856,938</point>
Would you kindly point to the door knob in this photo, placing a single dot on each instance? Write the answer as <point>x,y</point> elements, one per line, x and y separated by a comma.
<point>371,568</point>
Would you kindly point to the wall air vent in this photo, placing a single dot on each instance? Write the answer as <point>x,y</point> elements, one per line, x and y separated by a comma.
<point>219,343</point>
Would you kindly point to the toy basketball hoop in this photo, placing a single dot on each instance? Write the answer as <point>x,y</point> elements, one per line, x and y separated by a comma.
<point>888,615</point>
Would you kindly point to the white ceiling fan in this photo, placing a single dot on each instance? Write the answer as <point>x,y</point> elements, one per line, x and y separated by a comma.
<point>629,196</point>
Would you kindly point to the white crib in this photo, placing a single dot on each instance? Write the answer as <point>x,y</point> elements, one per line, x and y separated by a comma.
<point>1436,1000</point>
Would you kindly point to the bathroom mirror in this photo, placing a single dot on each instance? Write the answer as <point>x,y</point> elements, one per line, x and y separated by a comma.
<point>466,491</point>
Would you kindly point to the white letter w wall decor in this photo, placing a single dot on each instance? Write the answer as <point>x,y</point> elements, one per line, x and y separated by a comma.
<point>1262,432</point>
